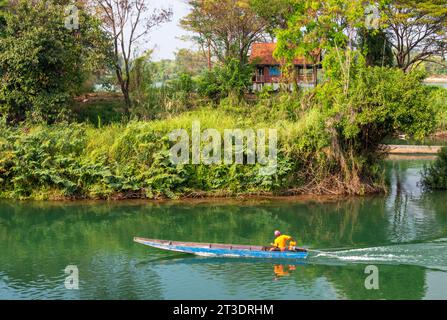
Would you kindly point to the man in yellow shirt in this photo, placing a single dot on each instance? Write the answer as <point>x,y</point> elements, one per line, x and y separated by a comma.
<point>280,242</point>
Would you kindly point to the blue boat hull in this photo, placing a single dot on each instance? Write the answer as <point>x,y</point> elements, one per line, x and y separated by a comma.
<point>222,251</point>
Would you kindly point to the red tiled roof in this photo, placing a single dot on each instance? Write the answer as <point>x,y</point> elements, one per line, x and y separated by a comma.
<point>262,53</point>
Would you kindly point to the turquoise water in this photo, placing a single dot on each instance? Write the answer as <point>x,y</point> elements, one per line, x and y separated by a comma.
<point>403,234</point>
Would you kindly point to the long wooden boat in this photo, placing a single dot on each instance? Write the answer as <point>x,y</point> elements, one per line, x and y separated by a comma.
<point>222,250</point>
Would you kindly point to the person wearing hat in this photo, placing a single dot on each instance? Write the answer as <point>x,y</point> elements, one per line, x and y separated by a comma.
<point>280,243</point>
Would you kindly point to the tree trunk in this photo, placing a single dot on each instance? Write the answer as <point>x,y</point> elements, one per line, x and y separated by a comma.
<point>125,91</point>
<point>315,75</point>
<point>127,102</point>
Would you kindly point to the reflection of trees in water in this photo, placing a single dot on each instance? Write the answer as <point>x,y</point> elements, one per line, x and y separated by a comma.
<point>42,238</point>
<point>400,203</point>
<point>117,277</point>
<point>237,276</point>
<point>403,282</point>
<point>336,222</point>
<point>437,202</point>
<point>412,212</point>
<point>350,222</point>
<point>35,233</point>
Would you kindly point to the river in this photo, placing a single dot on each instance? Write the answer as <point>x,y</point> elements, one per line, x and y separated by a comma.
<point>403,234</point>
<point>440,84</point>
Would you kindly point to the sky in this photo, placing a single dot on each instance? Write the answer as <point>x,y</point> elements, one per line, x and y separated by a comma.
<point>165,38</point>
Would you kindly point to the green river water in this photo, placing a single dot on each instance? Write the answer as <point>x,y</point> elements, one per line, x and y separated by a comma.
<point>403,234</point>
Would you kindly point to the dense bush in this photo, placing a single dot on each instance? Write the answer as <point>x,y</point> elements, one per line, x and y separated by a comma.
<point>155,99</point>
<point>121,161</point>
<point>438,100</point>
<point>231,78</point>
<point>126,161</point>
<point>434,176</point>
<point>3,6</point>
<point>360,106</point>
<point>167,100</point>
<point>42,63</point>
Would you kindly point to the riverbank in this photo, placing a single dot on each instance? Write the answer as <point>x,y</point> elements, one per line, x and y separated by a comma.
<point>219,197</point>
<point>133,161</point>
<point>437,79</point>
<point>413,149</point>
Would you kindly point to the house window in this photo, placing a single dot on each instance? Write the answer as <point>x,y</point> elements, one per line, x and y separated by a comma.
<point>305,74</point>
<point>274,72</point>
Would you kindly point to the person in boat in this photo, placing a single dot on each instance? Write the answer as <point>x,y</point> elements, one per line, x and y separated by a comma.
<point>283,242</point>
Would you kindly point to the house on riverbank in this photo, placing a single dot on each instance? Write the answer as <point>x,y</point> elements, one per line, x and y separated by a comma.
<point>269,71</point>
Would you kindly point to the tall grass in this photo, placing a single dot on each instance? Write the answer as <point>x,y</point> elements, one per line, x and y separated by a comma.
<point>132,160</point>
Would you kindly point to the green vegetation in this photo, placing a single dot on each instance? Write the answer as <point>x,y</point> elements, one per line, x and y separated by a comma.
<point>121,161</point>
<point>328,144</point>
<point>438,101</point>
<point>42,64</point>
<point>435,175</point>
<point>97,109</point>
<point>227,27</point>
<point>405,20</point>
<point>60,140</point>
<point>3,4</point>
<point>231,78</point>
<point>378,51</point>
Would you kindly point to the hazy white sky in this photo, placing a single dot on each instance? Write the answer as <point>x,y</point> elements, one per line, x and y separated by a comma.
<point>165,39</point>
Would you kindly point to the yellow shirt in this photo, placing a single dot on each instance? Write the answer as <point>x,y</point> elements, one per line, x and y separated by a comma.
<point>281,241</point>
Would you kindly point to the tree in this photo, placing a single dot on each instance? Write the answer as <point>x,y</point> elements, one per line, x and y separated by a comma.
<point>228,79</point>
<point>190,62</point>
<point>438,67</point>
<point>42,62</point>
<point>227,27</point>
<point>320,24</point>
<point>163,70</point>
<point>3,6</point>
<point>359,105</point>
<point>323,25</point>
<point>434,176</point>
<point>127,22</point>
<point>275,12</point>
<point>377,48</point>
<point>417,30</point>
<point>140,76</point>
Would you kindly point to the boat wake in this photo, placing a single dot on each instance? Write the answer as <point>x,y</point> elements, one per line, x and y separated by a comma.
<point>431,255</point>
